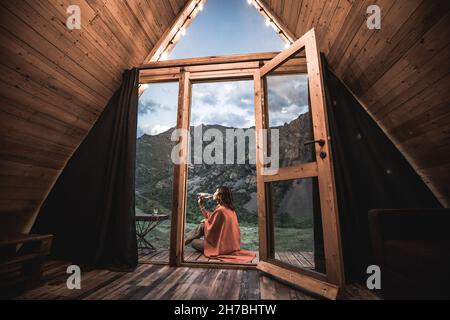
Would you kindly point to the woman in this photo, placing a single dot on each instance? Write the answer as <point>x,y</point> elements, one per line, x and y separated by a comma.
<point>222,236</point>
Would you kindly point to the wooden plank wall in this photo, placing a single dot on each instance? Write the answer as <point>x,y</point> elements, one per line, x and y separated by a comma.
<point>54,83</point>
<point>400,73</point>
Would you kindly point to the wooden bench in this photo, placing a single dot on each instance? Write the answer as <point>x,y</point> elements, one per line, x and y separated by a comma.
<point>22,257</point>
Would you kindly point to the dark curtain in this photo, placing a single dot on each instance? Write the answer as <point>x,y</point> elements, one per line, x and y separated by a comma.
<point>370,173</point>
<point>90,209</point>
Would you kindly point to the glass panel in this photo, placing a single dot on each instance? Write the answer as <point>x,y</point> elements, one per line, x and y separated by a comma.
<point>297,224</point>
<point>289,115</point>
<point>222,154</point>
<point>157,116</point>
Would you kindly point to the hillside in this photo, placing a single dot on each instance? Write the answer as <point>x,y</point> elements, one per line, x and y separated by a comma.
<point>154,176</point>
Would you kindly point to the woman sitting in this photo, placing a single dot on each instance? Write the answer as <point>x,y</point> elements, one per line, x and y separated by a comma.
<point>222,236</point>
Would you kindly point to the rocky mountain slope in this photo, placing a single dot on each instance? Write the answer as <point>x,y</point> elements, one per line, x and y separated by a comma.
<point>154,176</point>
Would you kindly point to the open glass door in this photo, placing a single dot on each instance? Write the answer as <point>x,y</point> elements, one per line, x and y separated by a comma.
<point>298,217</point>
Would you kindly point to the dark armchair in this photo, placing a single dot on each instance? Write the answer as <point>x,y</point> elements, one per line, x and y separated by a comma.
<point>412,248</point>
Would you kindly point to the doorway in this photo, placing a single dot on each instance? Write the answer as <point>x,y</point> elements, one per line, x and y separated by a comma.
<point>294,191</point>
<point>222,153</point>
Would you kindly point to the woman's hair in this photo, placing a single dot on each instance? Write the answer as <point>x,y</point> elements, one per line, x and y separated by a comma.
<point>225,197</point>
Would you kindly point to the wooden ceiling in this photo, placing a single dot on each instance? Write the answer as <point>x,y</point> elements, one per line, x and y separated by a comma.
<point>56,82</point>
<point>400,73</point>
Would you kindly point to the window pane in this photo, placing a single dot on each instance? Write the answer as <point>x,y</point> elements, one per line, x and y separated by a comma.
<point>289,115</point>
<point>157,116</point>
<point>219,110</point>
<point>297,224</point>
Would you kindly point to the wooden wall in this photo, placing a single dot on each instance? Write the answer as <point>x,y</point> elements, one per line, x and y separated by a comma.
<point>54,83</point>
<point>400,73</point>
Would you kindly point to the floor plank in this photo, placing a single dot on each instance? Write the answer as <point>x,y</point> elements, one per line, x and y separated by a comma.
<point>160,282</point>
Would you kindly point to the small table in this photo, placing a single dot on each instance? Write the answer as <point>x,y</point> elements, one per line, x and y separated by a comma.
<point>148,222</point>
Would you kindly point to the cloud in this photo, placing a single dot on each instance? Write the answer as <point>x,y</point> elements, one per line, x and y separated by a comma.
<point>158,109</point>
<point>230,104</point>
<point>234,120</point>
<point>288,98</point>
<point>152,106</point>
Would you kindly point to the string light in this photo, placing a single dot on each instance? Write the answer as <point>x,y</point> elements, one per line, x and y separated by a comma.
<point>270,23</point>
<point>182,31</point>
<point>164,56</point>
<point>199,7</point>
<point>274,27</point>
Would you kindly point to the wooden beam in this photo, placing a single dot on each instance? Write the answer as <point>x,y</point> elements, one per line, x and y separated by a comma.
<point>327,188</point>
<point>219,265</point>
<point>284,55</point>
<point>180,174</point>
<point>306,170</point>
<point>308,283</point>
<point>261,200</point>
<point>210,60</point>
<point>219,71</point>
<point>233,58</point>
<point>180,21</point>
<point>224,66</point>
<point>159,79</point>
<point>227,75</point>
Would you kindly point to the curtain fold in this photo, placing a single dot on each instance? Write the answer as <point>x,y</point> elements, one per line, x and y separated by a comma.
<point>90,209</point>
<point>370,173</point>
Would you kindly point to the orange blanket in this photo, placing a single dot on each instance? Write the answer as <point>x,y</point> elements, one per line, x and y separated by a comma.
<point>223,236</point>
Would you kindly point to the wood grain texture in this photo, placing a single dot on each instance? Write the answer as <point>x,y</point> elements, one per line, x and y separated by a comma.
<point>55,83</point>
<point>156,282</point>
<point>399,73</point>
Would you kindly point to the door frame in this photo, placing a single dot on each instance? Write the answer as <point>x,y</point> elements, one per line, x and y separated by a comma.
<point>322,168</point>
<point>255,67</point>
<point>185,72</point>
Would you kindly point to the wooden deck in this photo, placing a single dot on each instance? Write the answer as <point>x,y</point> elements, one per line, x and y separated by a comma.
<point>295,258</point>
<point>156,282</point>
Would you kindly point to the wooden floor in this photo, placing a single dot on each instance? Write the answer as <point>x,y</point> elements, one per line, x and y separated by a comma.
<point>151,281</point>
<point>295,258</point>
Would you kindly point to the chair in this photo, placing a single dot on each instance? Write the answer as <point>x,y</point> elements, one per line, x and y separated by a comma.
<point>412,248</point>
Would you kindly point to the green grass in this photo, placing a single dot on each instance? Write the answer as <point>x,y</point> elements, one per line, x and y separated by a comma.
<point>285,238</point>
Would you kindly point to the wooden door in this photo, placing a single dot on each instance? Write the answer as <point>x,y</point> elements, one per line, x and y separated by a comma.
<point>298,215</point>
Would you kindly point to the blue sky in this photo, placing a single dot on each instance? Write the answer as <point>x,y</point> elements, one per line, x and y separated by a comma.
<point>227,27</point>
<point>223,27</point>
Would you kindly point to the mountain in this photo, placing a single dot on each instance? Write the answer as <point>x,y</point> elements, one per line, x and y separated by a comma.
<point>154,175</point>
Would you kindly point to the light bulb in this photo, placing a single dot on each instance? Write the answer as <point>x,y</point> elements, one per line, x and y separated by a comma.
<point>287,45</point>
<point>200,6</point>
<point>183,31</point>
<point>274,27</point>
<point>267,22</point>
<point>144,86</point>
<point>249,2</point>
<point>164,56</point>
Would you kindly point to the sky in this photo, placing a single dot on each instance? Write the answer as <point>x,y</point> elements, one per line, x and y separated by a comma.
<point>224,27</point>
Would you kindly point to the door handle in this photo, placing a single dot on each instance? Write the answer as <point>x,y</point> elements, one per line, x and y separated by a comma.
<point>320,142</point>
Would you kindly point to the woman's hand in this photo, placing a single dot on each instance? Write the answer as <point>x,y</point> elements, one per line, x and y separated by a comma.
<point>201,201</point>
